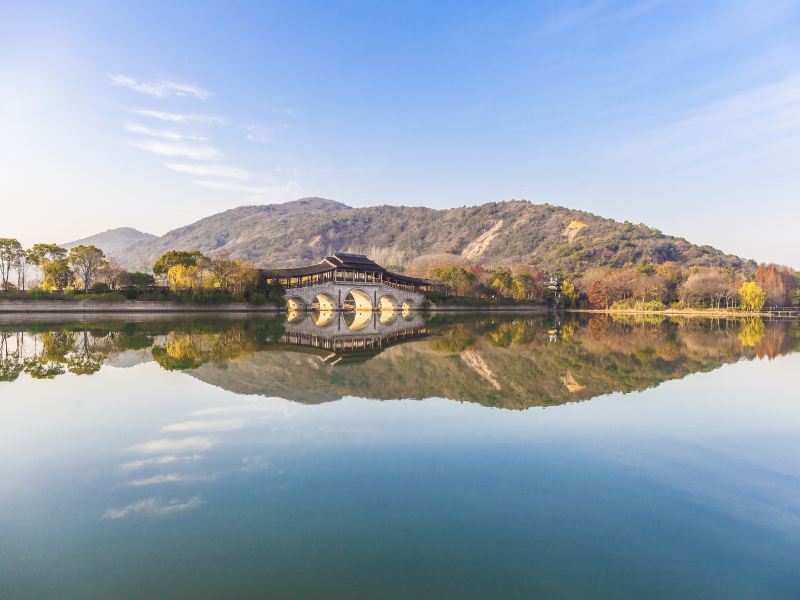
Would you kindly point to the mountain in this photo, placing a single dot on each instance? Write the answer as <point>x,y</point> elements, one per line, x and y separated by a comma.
<point>114,241</point>
<point>508,233</point>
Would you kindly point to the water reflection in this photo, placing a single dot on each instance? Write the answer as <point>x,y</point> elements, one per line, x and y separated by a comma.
<point>165,483</point>
<point>323,356</point>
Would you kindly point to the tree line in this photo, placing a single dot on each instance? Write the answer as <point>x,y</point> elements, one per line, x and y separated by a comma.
<point>647,286</point>
<point>86,269</point>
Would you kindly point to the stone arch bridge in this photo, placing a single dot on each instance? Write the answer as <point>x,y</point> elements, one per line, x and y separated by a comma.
<point>348,282</point>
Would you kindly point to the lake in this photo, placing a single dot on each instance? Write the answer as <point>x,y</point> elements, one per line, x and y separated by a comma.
<point>399,456</point>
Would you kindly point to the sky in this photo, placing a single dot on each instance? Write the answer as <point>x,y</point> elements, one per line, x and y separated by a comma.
<point>683,115</point>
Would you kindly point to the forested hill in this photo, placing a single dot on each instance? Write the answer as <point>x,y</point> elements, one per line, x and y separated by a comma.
<point>496,234</point>
<point>114,242</point>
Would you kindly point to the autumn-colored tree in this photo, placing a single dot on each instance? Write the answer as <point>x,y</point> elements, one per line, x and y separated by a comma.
<point>777,283</point>
<point>752,297</point>
<point>599,294</point>
<point>502,282</point>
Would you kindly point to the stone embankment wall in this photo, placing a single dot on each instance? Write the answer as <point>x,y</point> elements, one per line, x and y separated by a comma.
<point>129,306</point>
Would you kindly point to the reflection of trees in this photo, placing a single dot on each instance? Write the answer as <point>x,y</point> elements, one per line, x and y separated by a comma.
<point>10,364</point>
<point>511,362</point>
<point>533,361</point>
<point>190,349</point>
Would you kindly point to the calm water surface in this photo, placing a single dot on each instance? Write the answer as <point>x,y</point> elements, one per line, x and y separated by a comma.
<point>326,456</point>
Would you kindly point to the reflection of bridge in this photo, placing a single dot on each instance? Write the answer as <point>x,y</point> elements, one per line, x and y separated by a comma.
<point>348,282</point>
<point>334,333</point>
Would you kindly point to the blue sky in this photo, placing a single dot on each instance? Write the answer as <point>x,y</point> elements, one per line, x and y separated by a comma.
<point>682,115</point>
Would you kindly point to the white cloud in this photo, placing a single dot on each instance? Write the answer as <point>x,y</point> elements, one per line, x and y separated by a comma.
<point>162,134</point>
<point>178,117</point>
<point>268,193</point>
<point>229,172</point>
<point>170,478</point>
<point>159,90</point>
<point>207,426</point>
<point>160,460</point>
<point>153,506</point>
<point>178,149</point>
<point>196,444</point>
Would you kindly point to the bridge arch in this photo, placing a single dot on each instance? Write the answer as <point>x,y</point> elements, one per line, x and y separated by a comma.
<point>323,318</point>
<point>388,302</point>
<point>408,305</point>
<point>387,317</point>
<point>358,300</point>
<point>295,316</point>
<point>360,319</point>
<point>324,302</point>
<point>295,304</point>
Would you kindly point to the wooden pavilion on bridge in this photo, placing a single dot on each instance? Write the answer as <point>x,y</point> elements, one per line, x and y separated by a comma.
<point>345,268</point>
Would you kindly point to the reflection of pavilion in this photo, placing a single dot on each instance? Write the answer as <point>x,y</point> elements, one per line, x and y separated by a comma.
<point>351,336</point>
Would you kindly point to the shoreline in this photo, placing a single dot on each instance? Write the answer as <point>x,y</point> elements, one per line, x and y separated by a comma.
<point>17,307</point>
<point>709,313</point>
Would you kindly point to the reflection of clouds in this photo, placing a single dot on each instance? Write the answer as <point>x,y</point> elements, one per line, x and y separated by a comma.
<point>207,426</point>
<point>726,481</point>
<point>153,506</point>
<point>171,478</point>
<point>160,460</point>
<point>194,443</point>
<point>271,405</point>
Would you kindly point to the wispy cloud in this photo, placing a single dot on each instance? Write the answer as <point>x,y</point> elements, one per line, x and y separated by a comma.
<point>160,460</point>
<point>228,172</point>
<point>190,444</point>
<point>162,134</point>
<point>740,125</point>
<point>158,90</point>
<point>264,192</point>
<point>178,149</point>
<point>153,506</point>
<point>179,117</point>
<point>170,478</point>
<point>206,426</point>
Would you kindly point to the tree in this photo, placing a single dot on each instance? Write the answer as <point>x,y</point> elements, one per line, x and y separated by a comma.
<point>40,254</point>
<point>777,283</point>
<point>753,297</point>
<point>502,282</point>
<point>21,266</point>
<point>10,249</point>
<point>136,279</point>
<point>524,287</point>
<point>187,258</point>
<point>224,271</point>
<point>86,261</point>
<point>570,293</point>
<point>456,278</point>
<point>57,275</point>
<point>599,294</point>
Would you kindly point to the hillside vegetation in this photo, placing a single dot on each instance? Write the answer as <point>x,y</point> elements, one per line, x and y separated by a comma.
<point>497,234</point>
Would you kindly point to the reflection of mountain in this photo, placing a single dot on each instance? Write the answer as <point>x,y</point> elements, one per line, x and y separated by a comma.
<point>509,363</point>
